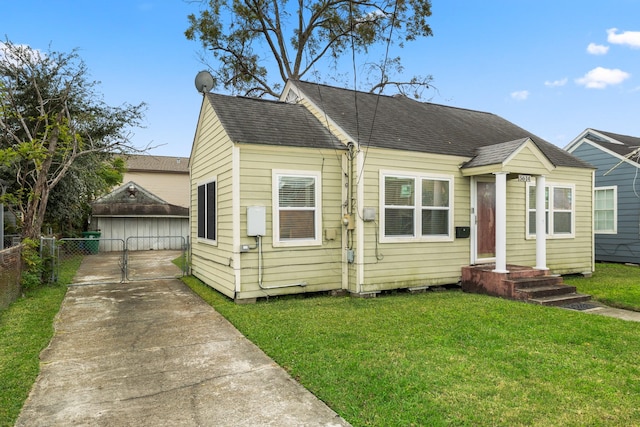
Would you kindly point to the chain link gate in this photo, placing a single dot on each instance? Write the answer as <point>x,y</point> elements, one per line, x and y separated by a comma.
<point>105,260</point>
<point>102,260</point>
<point>142,264</point>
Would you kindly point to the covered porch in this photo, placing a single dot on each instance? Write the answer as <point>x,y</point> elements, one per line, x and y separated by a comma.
<point>492,167</point>
<point>495,164</point>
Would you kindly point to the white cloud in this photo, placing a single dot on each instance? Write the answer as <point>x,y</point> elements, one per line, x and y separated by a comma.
<point>520,95</point>
<point>597,49</point>
<point>9,55</point>
<point>630,38</point>
<point>600,78</point>
<point>556,83</point>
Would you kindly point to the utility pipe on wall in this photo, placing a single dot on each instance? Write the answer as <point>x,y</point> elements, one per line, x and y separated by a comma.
<point>259,244</point>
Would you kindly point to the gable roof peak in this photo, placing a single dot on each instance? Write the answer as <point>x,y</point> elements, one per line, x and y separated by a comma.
<point>248,120</point>
<point>619,138</point>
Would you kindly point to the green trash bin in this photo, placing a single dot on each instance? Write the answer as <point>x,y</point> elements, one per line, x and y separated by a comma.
<point>93,243</point>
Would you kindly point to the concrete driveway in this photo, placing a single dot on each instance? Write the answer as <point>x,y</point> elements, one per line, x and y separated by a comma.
<point>152,353</point>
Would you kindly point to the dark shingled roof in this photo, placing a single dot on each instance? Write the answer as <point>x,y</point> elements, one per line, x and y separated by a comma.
<point>494,154</point>
<point>130,199</point>
<point>259,121</point>
<point>151,163</point>
<point>629,143</point>
<point>402,123</point>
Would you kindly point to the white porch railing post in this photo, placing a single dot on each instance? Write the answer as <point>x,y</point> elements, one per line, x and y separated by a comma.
<point>501,222</point>
<point>541,224</point>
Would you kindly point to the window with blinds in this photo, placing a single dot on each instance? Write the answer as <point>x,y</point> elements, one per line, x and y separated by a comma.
<point>416,207</point>
<point>605,210</point>
<point>559,210</point>
<point>297,210</point>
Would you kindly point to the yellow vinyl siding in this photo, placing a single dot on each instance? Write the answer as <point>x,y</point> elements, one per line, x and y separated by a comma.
<point>413,264</point>
<point>212,157</point>
<point>564,255</point>
<point>574,255</point>
<point>526,162</point>
<point>319,267</point>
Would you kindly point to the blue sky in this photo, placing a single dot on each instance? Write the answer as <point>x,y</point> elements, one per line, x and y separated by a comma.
<point>553,67</point>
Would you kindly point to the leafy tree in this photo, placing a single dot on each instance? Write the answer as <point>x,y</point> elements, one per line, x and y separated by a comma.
<point>70,202</point>
<point>297,37</point>
<point>53,125</point>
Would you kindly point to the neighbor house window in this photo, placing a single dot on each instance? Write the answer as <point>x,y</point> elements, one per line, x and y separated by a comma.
<point>415,207</point>
<point>605,210</point>
<point>207,212</point>
<point>296,213</point>
<point>559,210</point>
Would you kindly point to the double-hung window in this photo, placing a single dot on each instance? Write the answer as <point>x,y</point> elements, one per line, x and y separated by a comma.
<point>605,210</point>
<point>296,208</point>
<point>416,207</point>
<point>207,212</point>
<point>559,210</point>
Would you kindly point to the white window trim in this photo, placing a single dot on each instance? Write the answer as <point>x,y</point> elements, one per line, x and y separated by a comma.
<point>549,224</point>
<point>417,207</point>
<point>211,180</point>
<point>317,241</point>
<point>615,210</point>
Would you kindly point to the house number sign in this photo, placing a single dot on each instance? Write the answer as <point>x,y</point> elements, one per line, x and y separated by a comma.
<point>524,178</point>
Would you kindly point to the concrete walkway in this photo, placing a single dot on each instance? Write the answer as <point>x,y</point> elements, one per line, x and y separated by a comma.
<point>618,313</point>
<point>152,353</point>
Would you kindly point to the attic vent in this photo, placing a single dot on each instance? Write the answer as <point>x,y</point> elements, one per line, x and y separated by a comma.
<point>292,97</point>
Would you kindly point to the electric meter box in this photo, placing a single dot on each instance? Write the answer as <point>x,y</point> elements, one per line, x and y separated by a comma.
<point>256,221</point>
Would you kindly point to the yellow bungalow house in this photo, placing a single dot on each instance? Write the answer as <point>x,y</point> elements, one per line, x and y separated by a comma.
<point>330,189</point>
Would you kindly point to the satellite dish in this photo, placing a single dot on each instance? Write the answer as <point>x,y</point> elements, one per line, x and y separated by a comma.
<point>204,82</point>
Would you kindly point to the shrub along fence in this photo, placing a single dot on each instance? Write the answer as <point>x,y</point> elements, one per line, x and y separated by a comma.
<point>10,271</point>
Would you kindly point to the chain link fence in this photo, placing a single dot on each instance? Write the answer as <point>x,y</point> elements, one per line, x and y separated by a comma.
<point>122,259</point>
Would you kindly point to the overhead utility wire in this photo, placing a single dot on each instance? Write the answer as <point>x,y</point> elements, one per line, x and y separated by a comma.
<point>384,70</point>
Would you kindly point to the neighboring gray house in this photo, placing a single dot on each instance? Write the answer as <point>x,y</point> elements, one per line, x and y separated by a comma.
<point>616,202</point>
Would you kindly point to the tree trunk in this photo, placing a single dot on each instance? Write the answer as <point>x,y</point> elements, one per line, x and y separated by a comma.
<point>37,207</point>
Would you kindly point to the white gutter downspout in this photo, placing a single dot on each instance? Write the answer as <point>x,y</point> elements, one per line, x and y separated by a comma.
<point>359,177</point>
<point>235,209</point>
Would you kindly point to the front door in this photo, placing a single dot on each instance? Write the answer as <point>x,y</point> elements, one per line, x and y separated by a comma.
<point>485,208</point>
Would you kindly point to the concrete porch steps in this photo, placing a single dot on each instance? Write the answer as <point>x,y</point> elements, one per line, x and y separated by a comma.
<point>520,283</point>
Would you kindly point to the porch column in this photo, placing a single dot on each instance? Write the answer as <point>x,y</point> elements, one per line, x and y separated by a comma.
<point>501,222</point>
<point>541,224</point>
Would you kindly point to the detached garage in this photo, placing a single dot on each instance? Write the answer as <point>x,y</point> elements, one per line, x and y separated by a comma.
<point>140,218</point>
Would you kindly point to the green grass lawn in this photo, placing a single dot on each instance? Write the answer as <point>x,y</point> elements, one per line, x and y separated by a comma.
<point>449,358</point>
<point>26,327</point>
<point>438,358</point>
<point>616,285</point>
